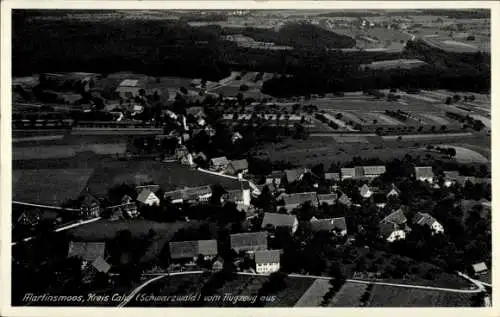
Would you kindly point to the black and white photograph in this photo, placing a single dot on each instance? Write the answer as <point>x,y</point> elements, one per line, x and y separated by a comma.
<point>250,158</point>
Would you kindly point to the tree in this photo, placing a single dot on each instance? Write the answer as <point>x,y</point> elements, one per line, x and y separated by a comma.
<point>243,87</point>
<point>448,101</point>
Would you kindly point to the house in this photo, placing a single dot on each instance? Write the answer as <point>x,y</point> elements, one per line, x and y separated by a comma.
<point>200,194</point>
<point>296,174</point>
<point>129,88</point>
<point>293,201</point>
<point>196,112</point>
<point>147,197</point>
<point>424,174</point>
<point>32,217</point>
<point>218,263</point>
<point>365,191</point>
<point>89,272</point>
<point>328,199</point>
<point>450,178</point>
<point>90,207</point>
<point>237,166</point>
<point>379,199</point>
<point>394,192</point>
<point>344,200</point>
<point>236,137</point>
<point>373,171</point>
<point>175,196</point>
<point>397,217</point>
<point>87,251</point>
<point>240,197</point>
<point>480,268</point>
<point>249,241</point>
<point>347,173</point>
<point>391,232</point>
<point>274,178</point>
<point>424,219</point>
<point>332,176</point>
<point>127,208</point>
<point>192,249</point>
<point>330,224</point>
<point>275,220</point>
<point>267,261</point>
<point>218,163</point>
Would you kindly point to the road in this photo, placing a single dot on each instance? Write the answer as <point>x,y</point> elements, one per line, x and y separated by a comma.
<point>65,227</point>
<point>479,287</point>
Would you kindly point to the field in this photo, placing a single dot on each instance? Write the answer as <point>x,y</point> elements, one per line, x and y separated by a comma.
<point>314,295</point>
<point>390,296</point>
<point>60,151</point>
<point>168,175</point>
<point>48,186</point>
<point>465,155</point>
<point>349,295</point>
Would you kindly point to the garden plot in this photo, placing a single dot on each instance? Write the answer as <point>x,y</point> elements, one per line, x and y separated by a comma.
<point>349,116</point>
<point>350,139</point>
<point>421,97</point>
<point>314,295</point>
<point>434,119</point>
<point>384,119</point>
<point>464,155</point>
<point>349,295</point>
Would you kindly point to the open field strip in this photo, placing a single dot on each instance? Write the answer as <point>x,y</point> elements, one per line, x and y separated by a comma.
<point>314,295</point>
<point>388,120</point>
<point>38,138</point>
<point>421,97</point>
<point>352,117</point>
<point>349,295</point>
<point>484,120</point>
<point>434,118</point>
<point>427,136</point>
<point>465,155</point>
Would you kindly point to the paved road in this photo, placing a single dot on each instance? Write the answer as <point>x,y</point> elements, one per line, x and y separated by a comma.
<point>479,288</point>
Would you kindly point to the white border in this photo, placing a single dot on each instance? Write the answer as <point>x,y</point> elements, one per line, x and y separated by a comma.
<point>6,164</point>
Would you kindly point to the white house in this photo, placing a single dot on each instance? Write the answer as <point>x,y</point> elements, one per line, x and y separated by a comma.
<point>267,261</point>
<point>147,197</point>
<point>424,174</point>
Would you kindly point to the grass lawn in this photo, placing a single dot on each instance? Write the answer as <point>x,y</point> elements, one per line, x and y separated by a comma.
<point>295,288</point>
<point>314,295</point>
<point>48,186</point>
<point>349,295</point>
<point>390,296</point>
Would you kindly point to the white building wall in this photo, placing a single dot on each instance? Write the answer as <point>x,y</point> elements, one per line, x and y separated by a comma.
<point>152,200</point>
<point>267,268</point>
<point>395,235</point>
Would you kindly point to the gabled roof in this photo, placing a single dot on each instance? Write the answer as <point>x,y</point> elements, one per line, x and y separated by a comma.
<point>89,199</point>
<point>327,198</point>
<point>422,218</point>
<point>328,224</point>
<point>249,240</point>
<point>423,172</point>
<point>239,165</point>
<point>267,256</point>
<point>275,175</point>
<point>144,194</point>
<point>295,174</point>
<point>363,190</point>
<point>451,175</point>
<point>190,249</point>
<point>397,217</point>
<point>332,176</point>
<point>374,170</point>
<point>347,172</point>
<point>88,251</point>
<point>479,267</point>
<point>278,220</point>
<point>386,228</point>
<point>195,192</point>
<point>174,195</point>
<point>234,195</point>
<point>101,265</point>
<point>219,161</point>
<point>393,192</point>
<point>300,198</point>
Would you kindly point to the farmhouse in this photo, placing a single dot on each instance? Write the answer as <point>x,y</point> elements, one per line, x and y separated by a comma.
<point>249,241</point>
<point>391,232</point>
<point>450,178</point>
<point>296,174</point>
<point>237,166</point>
<point>267,261</point>
<point>236,137</point>
<point>330,224</point>
<point>373,171</point>
<point>147,197</point>
<point>90,207</point>
<point>240,197</point>
<point>365,191</point>
<point>480,268</point>
<point>344,200</point>
<point>32,217</point>
<point>87,251</point>
<point>192,249</point>
<point>394,192</point>
<point>424,219</point>
<point>424,174</point>
<point>293,201</point>
<point>218,163</point>
<point>99,265</point>
<point>332,176</point>
<point>274,220</point>
<point>347,172</point>
<point>274,178</point>
<point>130,88</point>
<point>199,194</point>
<point>328,199</point>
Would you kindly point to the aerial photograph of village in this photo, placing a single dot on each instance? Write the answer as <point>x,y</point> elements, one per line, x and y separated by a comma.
<point>251,158</point>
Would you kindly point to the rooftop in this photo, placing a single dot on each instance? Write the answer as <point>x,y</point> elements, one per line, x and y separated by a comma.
<point>129,83</point>
<point>249,240</point>
<point>300,198</point>
<point>267,256</point>
<point>278,220</point>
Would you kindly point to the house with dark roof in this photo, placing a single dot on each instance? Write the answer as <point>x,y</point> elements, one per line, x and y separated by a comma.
<point>328,199</point>
<point>373,171</point>
<point>89,272</point>
<point>249,241</point>
<point>274,178</point>
<point>424,219</point>
<point>391,232</point>
<point>335,225</point>
<point>90,207</point>
<point>275,220</point>
<point>295,174</point>
<point>267,261</point>
<point>127,208</point>
<point>424,174</point>
<point>192,249</point>
<point>87,251</point>
<point>293,201</point>
<point>347,173</point>
<point>236,167</point>
<point>241,197</point>
<point>218,163</point>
